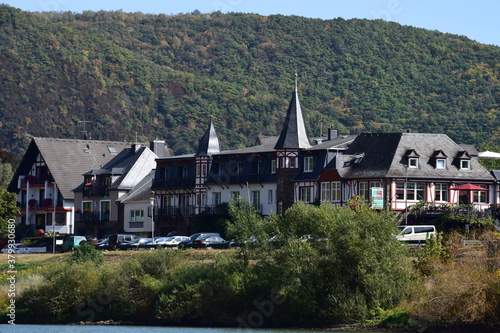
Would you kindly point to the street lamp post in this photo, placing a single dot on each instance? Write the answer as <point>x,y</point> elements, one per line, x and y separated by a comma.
<point>406,195</point>
<point>152,203</point>
<point>54,219</point>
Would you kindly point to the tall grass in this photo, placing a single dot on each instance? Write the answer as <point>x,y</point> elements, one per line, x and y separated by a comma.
<point>464,288</point>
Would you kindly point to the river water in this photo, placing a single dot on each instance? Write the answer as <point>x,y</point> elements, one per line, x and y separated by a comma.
<point>137,329</point>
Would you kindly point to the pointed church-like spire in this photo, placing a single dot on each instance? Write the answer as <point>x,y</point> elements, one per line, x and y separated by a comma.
<point>209,143</point>
<point>293,133</point>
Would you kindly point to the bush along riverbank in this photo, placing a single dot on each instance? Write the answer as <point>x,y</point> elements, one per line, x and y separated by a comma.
<point>349,270</point>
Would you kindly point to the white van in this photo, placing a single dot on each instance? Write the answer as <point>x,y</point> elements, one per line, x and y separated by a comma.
<point>415,234</point>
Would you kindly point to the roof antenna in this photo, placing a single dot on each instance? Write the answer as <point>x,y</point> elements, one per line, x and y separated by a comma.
<point>296,84</point>
<point>85,136</point>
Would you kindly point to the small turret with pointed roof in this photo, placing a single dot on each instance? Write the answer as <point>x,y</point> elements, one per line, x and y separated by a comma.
<point>293,133</point>
<point>209,143</point>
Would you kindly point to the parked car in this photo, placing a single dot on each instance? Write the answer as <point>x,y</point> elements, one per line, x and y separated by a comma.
<point>134,245</point>
<point>102,244</point>
<point>415,234</point>
<point>158,241</point>
<point>209,242</point>
<point>116,239</point>
<point>70,242</point>
<point>20,248</point>
<point>196,236</point>
<point>173,242</point>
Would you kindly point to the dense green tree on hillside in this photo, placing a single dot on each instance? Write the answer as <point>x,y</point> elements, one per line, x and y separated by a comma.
<point>8,210</point>
<point>165,76</point>
<point>6,174</point>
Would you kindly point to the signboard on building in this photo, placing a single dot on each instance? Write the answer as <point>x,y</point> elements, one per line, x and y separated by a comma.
<point>377,197</point>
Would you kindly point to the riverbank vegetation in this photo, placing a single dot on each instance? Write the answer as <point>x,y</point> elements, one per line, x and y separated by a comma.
<point>314,266</point>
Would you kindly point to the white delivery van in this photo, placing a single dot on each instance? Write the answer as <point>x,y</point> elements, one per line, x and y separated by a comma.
<point>415,234</point>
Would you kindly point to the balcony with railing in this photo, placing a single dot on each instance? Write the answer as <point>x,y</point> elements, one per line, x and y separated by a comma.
<point>172,211</point>
<point>90,190</point>
<point>34,180</point>
<point>91,217</point>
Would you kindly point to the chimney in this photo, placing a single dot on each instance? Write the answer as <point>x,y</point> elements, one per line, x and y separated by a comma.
<point>135,147</point>
<point>332,133</point>
<point>158,147</point>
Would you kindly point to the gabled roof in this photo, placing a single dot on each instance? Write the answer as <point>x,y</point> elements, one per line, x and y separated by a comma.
<point>209,143</point>
<point>293,133</point>
<point>131,165</point>
<point>67,160</point>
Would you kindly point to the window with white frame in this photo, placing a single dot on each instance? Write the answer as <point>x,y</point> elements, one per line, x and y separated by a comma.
<point>184,200</point>
<point>234,195</point>
<point>415,191</point>
<point>464,164</point>
<point>400,191</point>
<point>326,190</point>
<point>480,197</point>
<point>336,191</point>
<point>308,164</point>
<point>137,215</point>
<point>441,192</point>
<point>270,196</point>
<point>305,194</point>
<point>363,190</point>
<point>273,166</point>
<point>292,162</point>
<point>167,200</point>
<point>440,163</point>
<point>216,198</point>
<point>255,197</point>
<point>413,163</point>
<point>410,191</point>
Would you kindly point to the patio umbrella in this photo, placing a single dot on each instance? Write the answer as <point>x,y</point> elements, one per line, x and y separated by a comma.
<point>468,187</point>
<point>464,188</point>
<point>489,155</point>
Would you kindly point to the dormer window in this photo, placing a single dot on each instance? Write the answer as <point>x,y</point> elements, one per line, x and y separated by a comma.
<point>439,159</point>
<point>413,163</point>
<point>464,164</point>
<point>440,163</point>
<point>412,157</point>
<point>308,164</point>
<point>464,160</point>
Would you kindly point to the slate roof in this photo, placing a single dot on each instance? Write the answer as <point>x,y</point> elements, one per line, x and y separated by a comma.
<point>341,143</point>
<point>380,155</point>
<point>129,165</point>
<point>67,160</point>
<point>141,191</point>
<point>209,143</point>
<point>293,133</point>
<point>496,174</point>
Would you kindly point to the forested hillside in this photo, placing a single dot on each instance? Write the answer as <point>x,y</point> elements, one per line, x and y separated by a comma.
<point>159,76</point>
